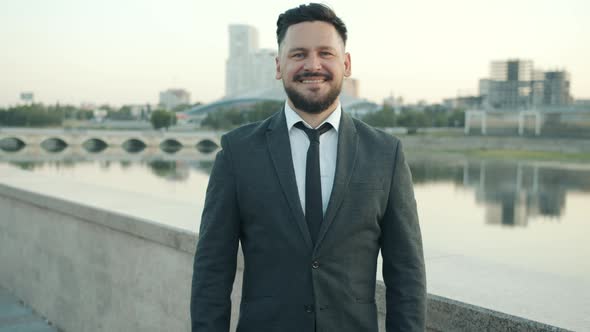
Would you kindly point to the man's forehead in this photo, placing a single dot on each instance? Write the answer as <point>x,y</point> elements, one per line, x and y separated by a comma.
<point>316,34</point>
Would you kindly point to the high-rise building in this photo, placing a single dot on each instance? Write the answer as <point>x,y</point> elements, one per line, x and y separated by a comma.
<point>515,85</point>
<point>510,84</point>
<point>248,68</point>
<point>171,98</point>
<point>556,88</point>
<point>243,40</point>
<point>484,87</point>
<point>511,70</point>
<point>537,88</point>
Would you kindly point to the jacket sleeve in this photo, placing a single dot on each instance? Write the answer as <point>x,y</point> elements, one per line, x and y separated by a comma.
<point>216,254</point>
<point>401,248</point>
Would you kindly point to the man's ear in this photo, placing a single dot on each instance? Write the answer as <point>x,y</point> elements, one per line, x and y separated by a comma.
<point>278,74</point>
<point>347,65</point>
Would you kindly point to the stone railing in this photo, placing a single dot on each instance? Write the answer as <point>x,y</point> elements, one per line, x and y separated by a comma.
<point>89,269</point>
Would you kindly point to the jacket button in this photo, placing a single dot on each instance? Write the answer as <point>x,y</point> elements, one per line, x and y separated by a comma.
<point>315,264</point>
<point>309,309</point>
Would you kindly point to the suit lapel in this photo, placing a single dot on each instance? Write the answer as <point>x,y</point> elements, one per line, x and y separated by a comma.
<point>277,138</point>
<point>345,161</point>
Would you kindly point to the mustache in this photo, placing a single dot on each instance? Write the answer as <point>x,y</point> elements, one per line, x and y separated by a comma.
<point>299,77</point>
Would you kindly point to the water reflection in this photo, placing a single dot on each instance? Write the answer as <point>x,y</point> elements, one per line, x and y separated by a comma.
<point>171,170</point>
<point>132,151</point>
<point>512,192</point>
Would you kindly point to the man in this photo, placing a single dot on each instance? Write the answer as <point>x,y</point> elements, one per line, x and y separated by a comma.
<point>310,224</point>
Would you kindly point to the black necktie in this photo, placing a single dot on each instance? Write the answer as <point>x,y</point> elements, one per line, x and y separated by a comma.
<point>314,213</point>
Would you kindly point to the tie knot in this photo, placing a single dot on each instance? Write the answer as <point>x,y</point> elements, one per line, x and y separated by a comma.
<point>314,134</point>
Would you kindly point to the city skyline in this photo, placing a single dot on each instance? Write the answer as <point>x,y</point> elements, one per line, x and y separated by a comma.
<point>126,53</point>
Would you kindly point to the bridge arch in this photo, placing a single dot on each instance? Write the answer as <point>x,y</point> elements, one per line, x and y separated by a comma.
<point>206,146</point>
<point>12,144</point>
<point>94,145</point>
<point>54,144</point>
<point>133,145</point>
<point>170,145</point>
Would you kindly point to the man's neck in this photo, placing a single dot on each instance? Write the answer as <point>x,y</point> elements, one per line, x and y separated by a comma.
<point>315,119</point>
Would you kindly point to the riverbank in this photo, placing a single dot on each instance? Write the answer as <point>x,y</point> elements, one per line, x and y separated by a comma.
<point>499,148</point>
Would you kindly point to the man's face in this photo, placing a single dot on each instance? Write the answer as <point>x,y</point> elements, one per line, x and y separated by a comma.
<point>312,64</point>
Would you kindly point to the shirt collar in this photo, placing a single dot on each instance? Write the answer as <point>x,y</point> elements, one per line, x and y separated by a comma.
<point>292,117</point>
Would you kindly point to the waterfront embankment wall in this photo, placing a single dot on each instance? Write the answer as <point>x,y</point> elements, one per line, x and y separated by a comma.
<point>90,269</point>
<point>465,143</point>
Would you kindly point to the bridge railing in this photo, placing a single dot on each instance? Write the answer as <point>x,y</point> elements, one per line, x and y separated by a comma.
<point>15,139</point>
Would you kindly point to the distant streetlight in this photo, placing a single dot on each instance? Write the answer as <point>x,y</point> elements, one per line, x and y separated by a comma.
<point>27,97</point>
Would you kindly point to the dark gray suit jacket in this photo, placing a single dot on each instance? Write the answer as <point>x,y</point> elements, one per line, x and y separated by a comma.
<point>290,285</point>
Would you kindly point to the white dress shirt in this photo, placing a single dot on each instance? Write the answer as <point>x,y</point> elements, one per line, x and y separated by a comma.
<point>328,152</point>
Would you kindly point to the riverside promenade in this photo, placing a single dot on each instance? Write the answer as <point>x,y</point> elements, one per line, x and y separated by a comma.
<point>92,258</point>
<point>16,317</point>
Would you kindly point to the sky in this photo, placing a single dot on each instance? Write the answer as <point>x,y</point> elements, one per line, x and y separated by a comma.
<point>127,51</point>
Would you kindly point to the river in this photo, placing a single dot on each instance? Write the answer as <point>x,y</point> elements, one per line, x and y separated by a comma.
<point>500,234</point>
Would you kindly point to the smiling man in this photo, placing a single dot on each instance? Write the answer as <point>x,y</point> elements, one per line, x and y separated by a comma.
<point>313,196</point>
<point>312,64</point>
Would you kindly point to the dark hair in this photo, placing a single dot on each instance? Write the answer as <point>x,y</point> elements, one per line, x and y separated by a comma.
<point>309,13</point>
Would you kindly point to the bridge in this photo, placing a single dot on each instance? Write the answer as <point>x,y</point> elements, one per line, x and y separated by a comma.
<point>56,140</point>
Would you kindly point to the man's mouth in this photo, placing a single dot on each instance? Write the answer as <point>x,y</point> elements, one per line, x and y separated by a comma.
<point>312,78</point>
<point>312,81</point>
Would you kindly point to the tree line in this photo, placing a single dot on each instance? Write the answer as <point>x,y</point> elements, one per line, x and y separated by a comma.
<point>430,116</point>
<point>229,118</point>
<point>40,115</point>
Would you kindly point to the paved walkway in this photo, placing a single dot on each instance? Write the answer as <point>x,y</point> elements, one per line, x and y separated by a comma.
<point>15,317</point>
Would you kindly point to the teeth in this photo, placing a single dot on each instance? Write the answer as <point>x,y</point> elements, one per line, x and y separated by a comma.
<point>312,81</point>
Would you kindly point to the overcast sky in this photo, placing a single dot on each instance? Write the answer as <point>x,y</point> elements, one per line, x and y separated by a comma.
<point>126,51</point>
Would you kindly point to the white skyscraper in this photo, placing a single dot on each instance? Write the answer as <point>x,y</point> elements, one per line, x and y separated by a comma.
<point>248,68</point>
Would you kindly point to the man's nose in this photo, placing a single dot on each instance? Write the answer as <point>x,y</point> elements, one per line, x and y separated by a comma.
<point>313,63</point>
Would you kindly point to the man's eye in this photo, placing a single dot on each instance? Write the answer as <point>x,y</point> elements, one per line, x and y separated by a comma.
<point>325,54</point>
<point>297,55</point>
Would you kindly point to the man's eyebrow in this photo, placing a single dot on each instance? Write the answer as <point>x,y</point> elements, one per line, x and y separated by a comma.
<point>297,49</point>
<point>303,49</point>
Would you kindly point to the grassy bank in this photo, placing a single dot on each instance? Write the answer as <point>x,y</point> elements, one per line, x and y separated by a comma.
<point>529,155</point>
<point>498,154</point>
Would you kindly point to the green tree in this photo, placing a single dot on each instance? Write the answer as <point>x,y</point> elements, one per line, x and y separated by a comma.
<point>413,119</point>
<point>385,117</point>
<point>262,110</point>
<point>123,113</point>
<point>162,119</point>
<point>228,118</point>
<point>456,118</point>
<point>34,115</point>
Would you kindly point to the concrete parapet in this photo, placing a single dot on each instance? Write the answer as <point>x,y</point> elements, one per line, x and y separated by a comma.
<point>449,315</point>
<point>89,269</point>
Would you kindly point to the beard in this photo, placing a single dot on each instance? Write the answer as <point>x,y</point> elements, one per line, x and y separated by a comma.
<point>312,105</point>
